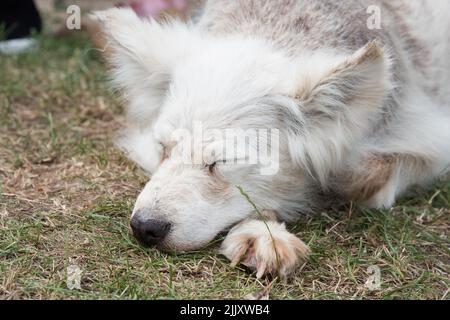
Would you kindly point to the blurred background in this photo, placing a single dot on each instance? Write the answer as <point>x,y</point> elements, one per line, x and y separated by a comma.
<point>19,19</point>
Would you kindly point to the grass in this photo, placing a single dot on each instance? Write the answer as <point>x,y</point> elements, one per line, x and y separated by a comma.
<point>66,195</point>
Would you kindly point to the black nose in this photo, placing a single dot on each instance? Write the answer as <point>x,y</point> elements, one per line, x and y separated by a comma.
<point>149,232</point>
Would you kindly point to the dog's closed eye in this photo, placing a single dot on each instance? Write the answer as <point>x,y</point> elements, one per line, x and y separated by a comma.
<point>211,167</point>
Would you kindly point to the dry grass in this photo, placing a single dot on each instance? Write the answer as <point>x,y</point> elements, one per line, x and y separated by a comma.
<point>66,194</point>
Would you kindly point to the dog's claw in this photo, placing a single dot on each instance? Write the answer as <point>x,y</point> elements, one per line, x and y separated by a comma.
<point>261,269</point>
<point>274,253</point>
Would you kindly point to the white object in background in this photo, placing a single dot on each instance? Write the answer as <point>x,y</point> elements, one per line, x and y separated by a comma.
<point>15,46</point>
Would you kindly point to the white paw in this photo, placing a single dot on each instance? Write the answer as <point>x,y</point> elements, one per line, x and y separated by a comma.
<point>274,253</point>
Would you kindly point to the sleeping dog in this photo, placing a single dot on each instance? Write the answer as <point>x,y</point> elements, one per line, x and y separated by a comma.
<point>332,101</point>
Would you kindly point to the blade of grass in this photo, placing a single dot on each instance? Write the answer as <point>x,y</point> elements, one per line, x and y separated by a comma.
<point>264,220</point>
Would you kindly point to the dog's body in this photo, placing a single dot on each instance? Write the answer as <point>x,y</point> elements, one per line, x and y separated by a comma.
<point>363,113</point>
<point>417,105</point>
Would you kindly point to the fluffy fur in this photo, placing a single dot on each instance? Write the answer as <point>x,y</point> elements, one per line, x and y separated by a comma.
<point>363,114</point>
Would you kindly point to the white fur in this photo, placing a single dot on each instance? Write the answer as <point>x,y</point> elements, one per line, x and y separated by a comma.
<point>327,102</point>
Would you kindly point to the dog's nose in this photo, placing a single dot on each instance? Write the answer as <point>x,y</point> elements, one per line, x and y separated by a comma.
<point>149,232</point>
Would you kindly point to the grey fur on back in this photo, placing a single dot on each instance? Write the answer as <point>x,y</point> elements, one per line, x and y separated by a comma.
<point>294,24</point>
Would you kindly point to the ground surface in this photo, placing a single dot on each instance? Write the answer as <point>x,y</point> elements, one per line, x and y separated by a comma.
<point>66,194</point>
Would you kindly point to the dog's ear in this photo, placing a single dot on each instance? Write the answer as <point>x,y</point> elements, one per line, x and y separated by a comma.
<point>338,109</point>
<point>142,54</point>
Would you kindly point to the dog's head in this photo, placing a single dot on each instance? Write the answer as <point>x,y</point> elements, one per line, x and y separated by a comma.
<point>209,113</point>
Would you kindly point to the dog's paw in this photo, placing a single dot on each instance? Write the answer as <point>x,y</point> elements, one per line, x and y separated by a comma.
<point>276,252</point>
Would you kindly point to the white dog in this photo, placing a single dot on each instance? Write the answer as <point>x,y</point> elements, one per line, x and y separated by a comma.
<point>357,91</point>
